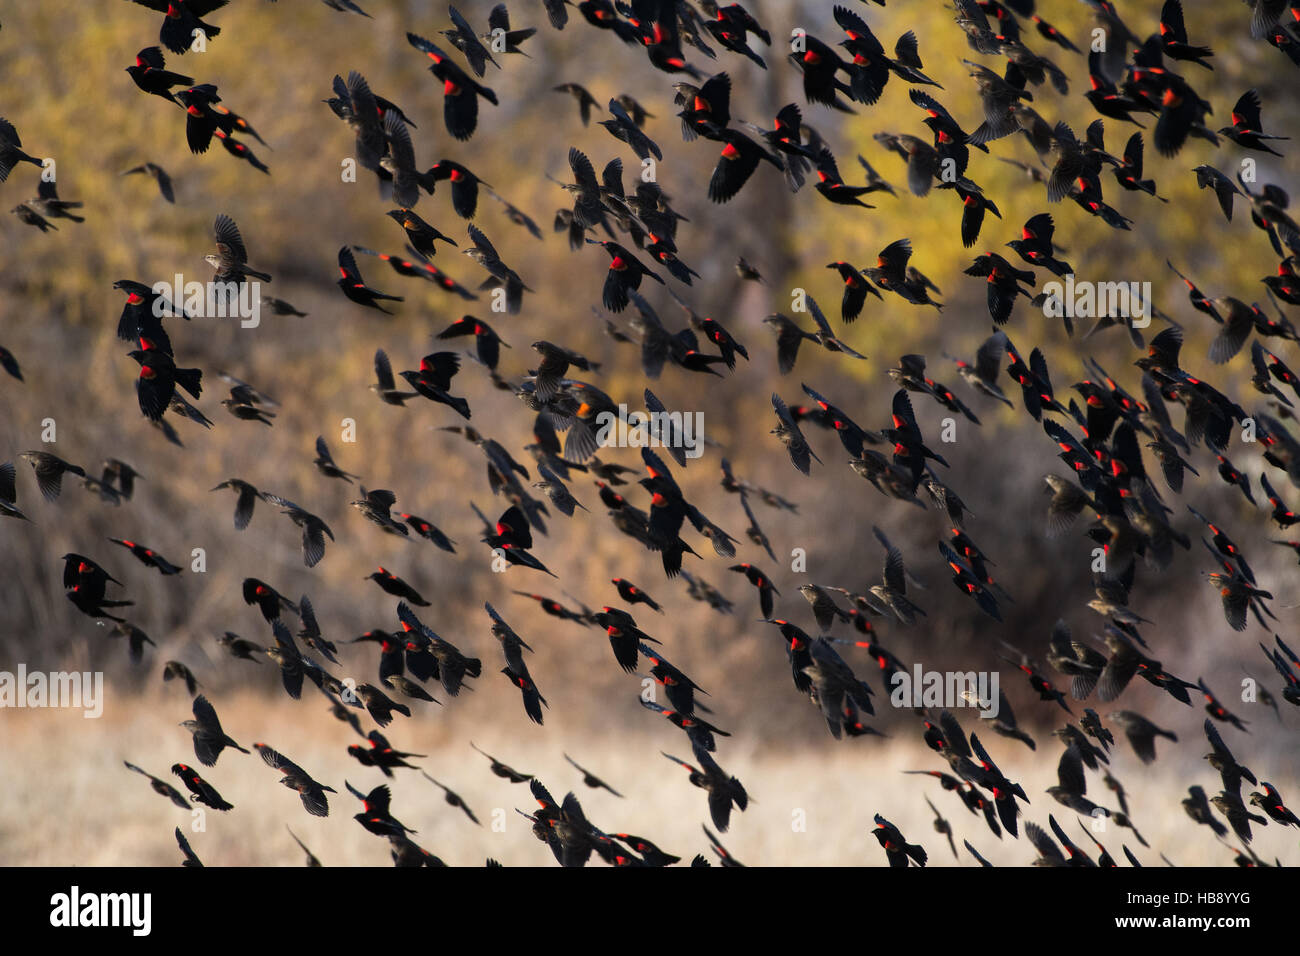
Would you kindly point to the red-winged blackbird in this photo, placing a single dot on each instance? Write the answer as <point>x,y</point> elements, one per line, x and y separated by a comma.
<point>158,379</point>
<point>556,609</point>
<point>856,289</point>
<point>464,186</point>
<point>1270,801</point>
<point>740,158</point>
<point>1129,173</point>
<point>449,665</point>
<point>630,593</point>
<point>1003,284</point>
<point>426,529</point>
<point>897,850</point>
<point>182,19</point>
<point>142,315</point>
<point>657,28</point>
<point>1035,245</point>
<point>731,26</point>
<point>201,119</point>
<point>766,589</point>
<point>893,273</point>
<point>625,638</point>
<point>243,404</point>
<point>203,792</point>
<point>376,817</point>
<point>533,700</point>
<point>433,380</point>
<point>148,557</point>
<point>1246,129</point>
<point>699,731</point>
<point>460,91</point>
<point>240,151</point>
<point>395,586</point>
<point>354,287</point>
<point>420,234</point>
<point>209,738</point>
<point>268,600</point>
<point>150,74</point>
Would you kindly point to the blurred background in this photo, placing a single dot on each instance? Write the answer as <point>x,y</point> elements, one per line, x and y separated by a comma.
<point>67,797</point>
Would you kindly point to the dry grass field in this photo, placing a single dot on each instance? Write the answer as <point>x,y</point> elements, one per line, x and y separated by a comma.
<point>65,797</point>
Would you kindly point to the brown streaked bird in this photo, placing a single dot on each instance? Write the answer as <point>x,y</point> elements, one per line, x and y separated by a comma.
<point>385,386</point>
<point>295,778</point>
<point>1229,803</point>
<point>148,557</point>
<point>247,497</point>
<point>49,470</point>
<point>209,738</point>
<point>379,705</point>
<point>230,261</point>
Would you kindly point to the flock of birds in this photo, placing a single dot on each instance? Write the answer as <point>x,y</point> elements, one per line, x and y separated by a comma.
<point>1149,75</point>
